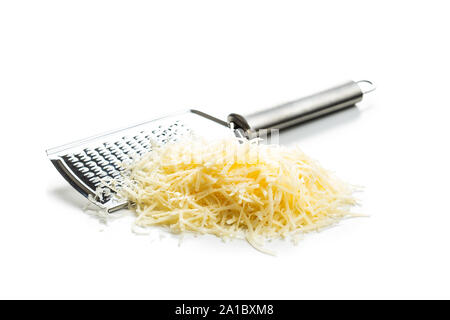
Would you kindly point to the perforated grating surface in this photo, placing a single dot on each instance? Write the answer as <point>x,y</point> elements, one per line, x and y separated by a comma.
<point>84,163</point>
<point>93,164</point>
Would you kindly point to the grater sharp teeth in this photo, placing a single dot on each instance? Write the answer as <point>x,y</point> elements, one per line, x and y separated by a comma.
<point>84,164</point>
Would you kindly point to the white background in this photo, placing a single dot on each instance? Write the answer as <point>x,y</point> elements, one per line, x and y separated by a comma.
<point>71,69</point>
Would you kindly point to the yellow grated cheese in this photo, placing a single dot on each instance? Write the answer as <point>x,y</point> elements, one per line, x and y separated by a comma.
<point>234,188</point>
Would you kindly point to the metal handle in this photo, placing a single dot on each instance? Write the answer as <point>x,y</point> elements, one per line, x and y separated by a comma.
<point>304,109</point>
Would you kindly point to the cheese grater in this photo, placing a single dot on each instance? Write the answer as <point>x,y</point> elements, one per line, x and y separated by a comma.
<point>86,162</point>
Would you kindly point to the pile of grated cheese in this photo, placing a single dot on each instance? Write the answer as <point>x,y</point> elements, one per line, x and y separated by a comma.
<point>234,188</point>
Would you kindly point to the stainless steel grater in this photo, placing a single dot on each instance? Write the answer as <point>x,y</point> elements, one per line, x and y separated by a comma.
<point>85,162</point>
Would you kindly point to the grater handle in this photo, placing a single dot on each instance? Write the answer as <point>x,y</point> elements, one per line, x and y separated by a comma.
<point>302,110</point>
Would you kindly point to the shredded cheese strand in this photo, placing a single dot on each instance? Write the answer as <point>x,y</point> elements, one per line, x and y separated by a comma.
<point>234,188</point>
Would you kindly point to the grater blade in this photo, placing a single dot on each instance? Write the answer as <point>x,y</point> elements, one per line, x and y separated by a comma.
<point>84,163</point>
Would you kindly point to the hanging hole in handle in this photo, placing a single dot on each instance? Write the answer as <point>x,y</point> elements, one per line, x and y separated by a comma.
<point>366,86</point>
